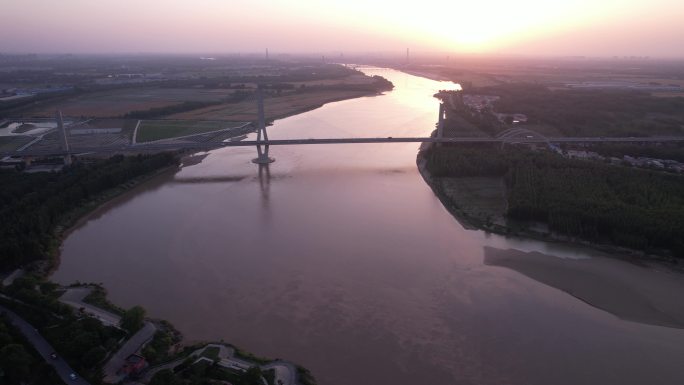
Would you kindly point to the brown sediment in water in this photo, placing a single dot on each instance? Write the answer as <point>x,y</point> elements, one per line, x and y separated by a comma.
<point>104,203</point>
<point>635,292</point>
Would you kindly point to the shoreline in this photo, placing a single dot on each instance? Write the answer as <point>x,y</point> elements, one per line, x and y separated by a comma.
<point>81,215</point>
<point>628,291</point>
<point>304,109</point>
<point>470,223</point>
<point>425,74</point>
<point>631,285</point>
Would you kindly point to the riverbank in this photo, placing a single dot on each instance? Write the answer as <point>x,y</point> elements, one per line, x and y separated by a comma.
<point>629,291</point>
<point>277,107</point>
<point>627,283</point>
<point>425,74</point>
<point>81,215</point>
<point>526,230</point>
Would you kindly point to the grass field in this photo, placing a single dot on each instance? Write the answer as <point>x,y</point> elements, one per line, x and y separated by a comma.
<point>478,198</point>
<point>23,128</point>
<point>455,126</point>
<point>150,130</point>
<point>11,143</point>
<point>211,353</point>
<point>115,103</point>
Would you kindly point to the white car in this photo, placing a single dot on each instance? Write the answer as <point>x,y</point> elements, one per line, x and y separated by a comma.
<point>73,376</point>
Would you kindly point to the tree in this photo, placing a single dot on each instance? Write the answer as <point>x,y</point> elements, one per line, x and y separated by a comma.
<point>133,319</point>
<point>165,377</point>
<point>252,376</point>
<point>16,362</point>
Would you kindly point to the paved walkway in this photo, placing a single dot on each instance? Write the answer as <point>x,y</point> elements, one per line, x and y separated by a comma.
<point>131,346</point>
<point>73,297</point>
<point>43,347</point>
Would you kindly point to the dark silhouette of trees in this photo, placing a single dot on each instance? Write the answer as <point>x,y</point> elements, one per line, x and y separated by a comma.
<point>133,319</point>
<point>33,205</point>
<point>636,208</point>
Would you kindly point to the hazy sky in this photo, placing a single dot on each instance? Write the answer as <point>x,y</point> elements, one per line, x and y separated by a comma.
<point>535,27</point>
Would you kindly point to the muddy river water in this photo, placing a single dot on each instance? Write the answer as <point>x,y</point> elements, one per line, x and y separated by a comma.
<point>341,258</point>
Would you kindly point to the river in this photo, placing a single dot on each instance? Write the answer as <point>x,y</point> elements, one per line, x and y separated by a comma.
<point>340,258</point>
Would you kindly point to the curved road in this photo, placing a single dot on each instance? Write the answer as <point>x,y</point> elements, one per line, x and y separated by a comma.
<point>43,347</point>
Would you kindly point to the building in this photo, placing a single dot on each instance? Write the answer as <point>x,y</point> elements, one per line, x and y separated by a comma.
<point>134,365</point>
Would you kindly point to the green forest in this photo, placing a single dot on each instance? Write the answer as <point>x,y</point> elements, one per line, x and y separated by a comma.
<point>577,112</point>
<point>635,208</point>
<point>82,341</point>
<point>33,205</point>
<point>19,362</point>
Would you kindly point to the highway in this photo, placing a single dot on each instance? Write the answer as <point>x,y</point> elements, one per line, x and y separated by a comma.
<point>43,347</point>
<point>170,146</point>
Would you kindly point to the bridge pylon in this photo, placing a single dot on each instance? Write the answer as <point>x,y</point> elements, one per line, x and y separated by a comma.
<point>440,121</point>
<point>64,138</point>
<point>262,153</point>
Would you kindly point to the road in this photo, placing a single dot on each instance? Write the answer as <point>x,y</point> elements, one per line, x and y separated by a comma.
<point>73,297</point>
<point>43,347</point>
<point>130,347</point>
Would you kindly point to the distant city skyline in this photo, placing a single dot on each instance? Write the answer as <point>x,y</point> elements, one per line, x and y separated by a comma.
<point>526,27</point>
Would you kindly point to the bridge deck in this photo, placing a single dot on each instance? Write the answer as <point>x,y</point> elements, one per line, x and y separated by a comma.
<point>281,142</point>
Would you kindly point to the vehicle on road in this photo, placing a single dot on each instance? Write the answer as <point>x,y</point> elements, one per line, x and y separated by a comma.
<point>73,376</point>
<point>53,355</point>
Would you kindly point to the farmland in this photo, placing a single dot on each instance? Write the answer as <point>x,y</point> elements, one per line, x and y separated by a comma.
<point>151,130</point>
<point>119,102</point>
<point>275,106</point>
<point>11,143</point>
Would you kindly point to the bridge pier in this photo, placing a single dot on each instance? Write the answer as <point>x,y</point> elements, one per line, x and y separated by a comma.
<point>262,154</point>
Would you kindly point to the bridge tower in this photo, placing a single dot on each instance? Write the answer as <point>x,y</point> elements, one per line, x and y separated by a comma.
<point>440,121</point>
<point>64,138</point>
<point>262,154</point>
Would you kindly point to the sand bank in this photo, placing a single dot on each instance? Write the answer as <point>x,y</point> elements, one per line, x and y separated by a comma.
<point>645,293</point>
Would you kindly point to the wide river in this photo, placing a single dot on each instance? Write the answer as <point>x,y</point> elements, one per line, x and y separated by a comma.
<point>340,258</point>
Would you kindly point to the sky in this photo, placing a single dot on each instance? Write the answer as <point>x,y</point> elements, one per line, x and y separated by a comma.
<point>519,27</point>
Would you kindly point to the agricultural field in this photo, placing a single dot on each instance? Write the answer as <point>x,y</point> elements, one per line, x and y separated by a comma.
<point>275,107</point>
<point>119,102</point>
<point>11,143</point>
<point>151,130</point>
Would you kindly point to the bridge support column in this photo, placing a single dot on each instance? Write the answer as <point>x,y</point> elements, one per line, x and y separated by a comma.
<point>440,121</point>
<point>262,154</point>
<point>64,138</point>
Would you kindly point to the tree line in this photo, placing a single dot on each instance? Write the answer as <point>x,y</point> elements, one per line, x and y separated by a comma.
<point>578,112</point>
<point>33,205</point>
<point>636,208</point>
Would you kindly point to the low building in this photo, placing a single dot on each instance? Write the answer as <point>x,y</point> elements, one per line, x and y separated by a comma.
<point>134,365</point>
